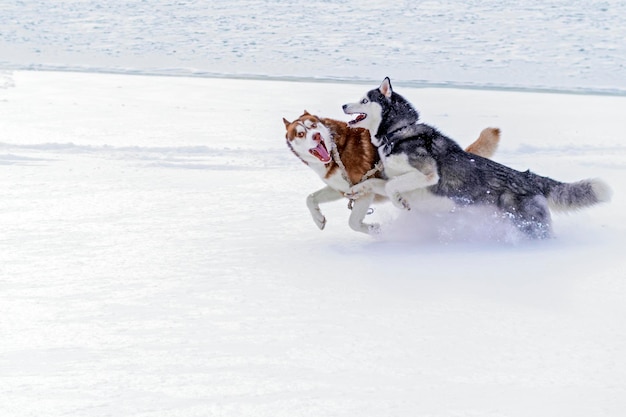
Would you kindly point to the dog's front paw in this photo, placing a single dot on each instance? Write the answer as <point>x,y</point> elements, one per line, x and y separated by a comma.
<point>358,191</point>
<point>373,229</point>
<point>400,202</point>
<point>318,218</point>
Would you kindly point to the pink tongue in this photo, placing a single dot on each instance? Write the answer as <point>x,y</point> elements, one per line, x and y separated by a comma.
<point>322,153</point>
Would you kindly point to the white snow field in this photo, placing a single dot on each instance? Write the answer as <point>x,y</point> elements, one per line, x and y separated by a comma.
<point>157,259</point>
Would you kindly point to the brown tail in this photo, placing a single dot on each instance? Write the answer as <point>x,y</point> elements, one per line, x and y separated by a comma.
<point>486,144</point>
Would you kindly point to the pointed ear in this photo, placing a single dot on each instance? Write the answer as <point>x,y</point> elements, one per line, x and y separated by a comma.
<point>385,88</point>
<point>306,113</point>
<point>286,122</point>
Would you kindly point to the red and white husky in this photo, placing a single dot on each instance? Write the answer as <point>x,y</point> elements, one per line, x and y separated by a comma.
<point>343,157</point>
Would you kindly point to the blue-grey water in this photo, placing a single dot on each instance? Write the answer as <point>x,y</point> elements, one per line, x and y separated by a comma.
<point>546,44</point>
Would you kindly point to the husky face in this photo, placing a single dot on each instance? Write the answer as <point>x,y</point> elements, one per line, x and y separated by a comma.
<point>369,109</point>
<point>380,111</point>
<point>309,138</point>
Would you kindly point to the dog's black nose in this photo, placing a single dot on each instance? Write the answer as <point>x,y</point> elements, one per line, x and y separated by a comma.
<point>344,106</point>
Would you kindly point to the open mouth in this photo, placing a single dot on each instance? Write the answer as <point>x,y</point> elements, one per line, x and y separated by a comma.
<point>321,153</point>
<point>359,117</point>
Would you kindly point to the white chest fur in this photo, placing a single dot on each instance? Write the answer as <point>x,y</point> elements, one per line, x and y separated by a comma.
<point>396,165</point>
<point>335,180</point>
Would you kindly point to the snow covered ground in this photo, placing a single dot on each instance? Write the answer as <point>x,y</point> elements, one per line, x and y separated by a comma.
<point>157,259</point>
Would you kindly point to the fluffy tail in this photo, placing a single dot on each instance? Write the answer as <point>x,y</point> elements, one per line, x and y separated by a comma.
<point>578,195</point>
<point>486,144</point>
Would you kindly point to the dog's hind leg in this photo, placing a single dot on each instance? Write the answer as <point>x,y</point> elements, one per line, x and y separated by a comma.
<point>314,200</point>
<point>533,217</point>
<point>359,211</point>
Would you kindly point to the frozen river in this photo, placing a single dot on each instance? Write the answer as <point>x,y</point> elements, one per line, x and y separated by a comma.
<point>556,44</point>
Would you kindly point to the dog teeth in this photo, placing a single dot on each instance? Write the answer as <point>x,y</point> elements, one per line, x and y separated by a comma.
<point>358,118</point>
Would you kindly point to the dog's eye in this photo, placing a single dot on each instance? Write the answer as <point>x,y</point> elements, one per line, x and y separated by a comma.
<point>313,125</point>
<point>364,101</point>
<point>300,134</point>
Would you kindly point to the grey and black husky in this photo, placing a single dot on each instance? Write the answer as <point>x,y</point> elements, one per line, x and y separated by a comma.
<point>418,159</point>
